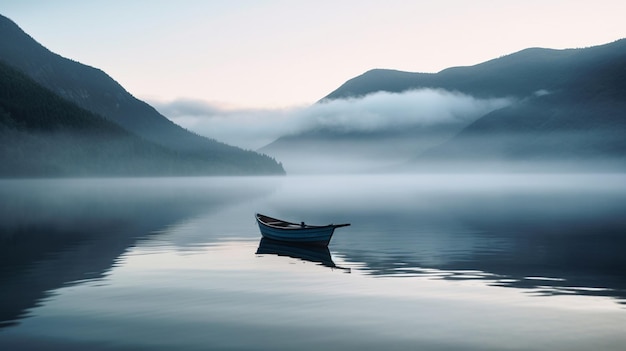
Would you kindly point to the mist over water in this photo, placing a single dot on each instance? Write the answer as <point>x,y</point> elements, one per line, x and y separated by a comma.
<point>485,260</point>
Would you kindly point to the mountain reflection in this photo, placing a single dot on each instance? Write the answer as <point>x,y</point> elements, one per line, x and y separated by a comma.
<point>547,244</point>
<point>55,233</point>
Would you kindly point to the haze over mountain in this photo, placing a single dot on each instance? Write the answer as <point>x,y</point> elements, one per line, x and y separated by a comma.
<point>376,131</point>
<point>561,106</point>
<point>94,91</point>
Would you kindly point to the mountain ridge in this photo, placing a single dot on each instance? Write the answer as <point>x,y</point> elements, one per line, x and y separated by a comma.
<point>44,135</point>
<point>498,70</point>
<point>95,91</point>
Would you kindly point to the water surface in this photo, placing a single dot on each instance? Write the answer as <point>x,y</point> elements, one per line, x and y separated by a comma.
<point>432,262</point>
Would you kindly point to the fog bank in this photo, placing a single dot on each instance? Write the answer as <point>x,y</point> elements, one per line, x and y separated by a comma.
<point>381,111</point>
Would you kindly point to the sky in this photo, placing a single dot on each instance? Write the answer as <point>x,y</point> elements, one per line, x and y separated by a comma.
<point>250,55</point>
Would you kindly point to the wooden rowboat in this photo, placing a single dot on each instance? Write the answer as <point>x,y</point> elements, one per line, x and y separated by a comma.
<point>301,233</point>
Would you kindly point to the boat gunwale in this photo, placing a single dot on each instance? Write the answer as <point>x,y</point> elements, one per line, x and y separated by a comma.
<point>290,225</point>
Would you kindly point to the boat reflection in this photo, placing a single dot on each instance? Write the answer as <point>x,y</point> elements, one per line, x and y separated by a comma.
<point>316,254</point>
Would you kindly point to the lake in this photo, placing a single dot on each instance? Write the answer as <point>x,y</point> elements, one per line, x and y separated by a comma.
<point>430,262</point>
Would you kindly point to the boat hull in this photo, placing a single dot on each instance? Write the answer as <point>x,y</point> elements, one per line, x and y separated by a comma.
<point>307,236</point>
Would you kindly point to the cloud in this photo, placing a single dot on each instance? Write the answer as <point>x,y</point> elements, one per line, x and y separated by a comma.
<point>384,110</point>
<point>246,128</point>
<point>187,107</point>
<point>254,128</point>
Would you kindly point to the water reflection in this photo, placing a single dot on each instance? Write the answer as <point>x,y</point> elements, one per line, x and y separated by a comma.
<point>571,261</point>
<point>534,286</point>
<point>567,230</point>
<point>315,254</point>
<point>134,263</point>
<point>55,233</point>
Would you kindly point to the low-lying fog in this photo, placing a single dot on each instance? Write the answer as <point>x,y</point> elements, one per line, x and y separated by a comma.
<point>402,132</point>
<point>380,112</point>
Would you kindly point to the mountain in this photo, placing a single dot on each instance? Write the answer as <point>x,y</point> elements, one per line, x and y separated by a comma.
<point>566,107</point>
<point>562,130</point>
<point>520,74</point>
<point>578,121</point>
<point>42,134</point>
<point>94,91</point>
<point>325,150</point>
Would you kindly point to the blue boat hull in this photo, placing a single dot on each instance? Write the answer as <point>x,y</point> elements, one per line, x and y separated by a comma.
<point>309,236</point>
<point>305,234</point>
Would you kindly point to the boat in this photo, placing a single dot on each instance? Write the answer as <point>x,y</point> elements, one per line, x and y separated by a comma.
<point>301,233</point>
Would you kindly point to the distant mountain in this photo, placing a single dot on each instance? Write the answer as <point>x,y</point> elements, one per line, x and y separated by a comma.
<point>93,90</point>
<point>568,106</point>
<point>562,130</point>
<point>578,121</point>
<point>327,150</point>
<point>520,74</point>
<point>42,134</point>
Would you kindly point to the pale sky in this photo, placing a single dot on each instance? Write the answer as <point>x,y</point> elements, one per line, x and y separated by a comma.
<point>276,54</point>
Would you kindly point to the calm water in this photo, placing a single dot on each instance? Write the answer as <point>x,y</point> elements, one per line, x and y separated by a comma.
<point>441,262</point>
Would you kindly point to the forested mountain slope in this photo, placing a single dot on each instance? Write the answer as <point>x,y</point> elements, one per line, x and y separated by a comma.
<point>95,91</point>
<point>42,134</point>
